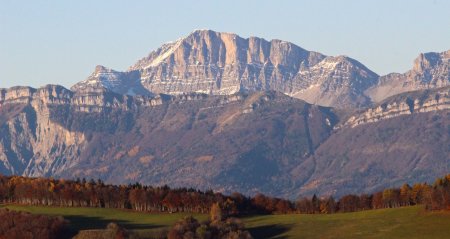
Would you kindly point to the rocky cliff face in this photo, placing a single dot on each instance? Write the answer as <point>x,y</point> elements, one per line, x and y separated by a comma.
<point>126,83</point>
<point>223,63</point>
<point>404,104</point>
<point>259,142</point>
<point>430,71</point>
<point>30,143</point>
<point>2,95</point>
<point>227,143</point>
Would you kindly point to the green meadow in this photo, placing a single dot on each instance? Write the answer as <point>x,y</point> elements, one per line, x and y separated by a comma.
<point>407,222</point>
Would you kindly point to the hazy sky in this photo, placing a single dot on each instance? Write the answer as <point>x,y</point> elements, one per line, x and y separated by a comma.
<point>60,42</point>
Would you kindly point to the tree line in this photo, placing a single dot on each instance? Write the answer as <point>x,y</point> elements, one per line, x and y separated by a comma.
<point>83,193</point>
<point>95,193</point>
<point>434,197</point>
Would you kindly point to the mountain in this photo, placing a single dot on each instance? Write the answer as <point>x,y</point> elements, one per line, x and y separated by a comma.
<point>430,70</point>
<point>126,83</point>
<point>224,63</point>
<point>216,111</point>
<point>249,142</point>
<point>244,142</point>
<point>220,63</point>
<point>405,138</point>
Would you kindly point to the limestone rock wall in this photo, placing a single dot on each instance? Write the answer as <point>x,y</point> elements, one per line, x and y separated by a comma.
<point>425,101</point>
<point>430,71</point>
<point>224,63</point>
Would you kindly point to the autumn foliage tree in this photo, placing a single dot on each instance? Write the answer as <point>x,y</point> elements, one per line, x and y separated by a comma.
<point>217,227</point>
<point>216,213</point>
<point>21,225</point>
<point>95,193</point>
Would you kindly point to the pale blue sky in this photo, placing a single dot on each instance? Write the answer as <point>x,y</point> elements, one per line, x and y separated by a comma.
<point>60,42</point>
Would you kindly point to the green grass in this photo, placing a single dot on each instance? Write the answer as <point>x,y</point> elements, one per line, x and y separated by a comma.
<point>408,222</point>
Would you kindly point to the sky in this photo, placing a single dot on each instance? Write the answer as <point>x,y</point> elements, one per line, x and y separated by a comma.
<point>60,42</point>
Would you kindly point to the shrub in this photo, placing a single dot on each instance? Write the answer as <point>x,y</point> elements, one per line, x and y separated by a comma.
<point>23,225</point>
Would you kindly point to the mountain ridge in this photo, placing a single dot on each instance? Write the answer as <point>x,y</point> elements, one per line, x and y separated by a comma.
<point>224,63</point>
<point>227,143</point>
<point>430,70</point>
<point>218,63</point>
<point>217,111</point>
<point>48,136</point>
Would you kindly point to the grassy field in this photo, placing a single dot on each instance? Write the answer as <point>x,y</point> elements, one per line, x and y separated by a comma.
<point>98,218</point>
<point>410,222</point>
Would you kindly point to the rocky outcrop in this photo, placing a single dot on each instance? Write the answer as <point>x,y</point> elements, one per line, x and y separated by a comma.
<point>2,95</point>
<point>405,104</point>
<point>126,83</point>
<point>430,71</point>
<point>18,94</point>
<point>30,142</point>
<point>223,63</point>
<point>335,81</point>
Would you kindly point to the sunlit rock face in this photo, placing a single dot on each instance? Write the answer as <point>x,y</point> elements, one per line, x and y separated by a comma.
<point>404,104</point>
<point>218,63</point>
<point>30,142</point>
<point>430,71</point>
<point>224,63</point>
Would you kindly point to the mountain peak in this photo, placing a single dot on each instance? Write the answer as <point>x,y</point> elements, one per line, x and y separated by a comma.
<point>221,63</point>
<point>100,68</point>
<point>208,47</point>
<point>446,54</point>
<point>430,71</point>
<point>120,82</point>
<point>202,30</point>
<point>206,32</point>
<point>429,60</point>
<point>425,60</point>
